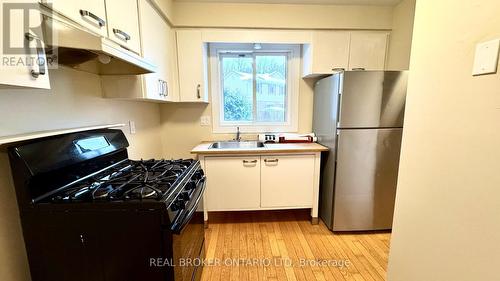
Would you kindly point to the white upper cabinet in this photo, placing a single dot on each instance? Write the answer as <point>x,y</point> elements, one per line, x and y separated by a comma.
<point>332,51</point>
<point>156,43</point>
<point>123,23</point>
<point>88,13</point>
<point>368,50</point>
<point>327,53</point>
<point>25,65</point>
<point>192,62</point>
<point>157,40</point>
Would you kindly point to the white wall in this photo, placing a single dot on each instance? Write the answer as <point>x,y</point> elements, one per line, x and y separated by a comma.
<point>181,122</point>
<point>447,217</point>
<point>75,100</point>
<point>401,35</point>
<point>258,15</point>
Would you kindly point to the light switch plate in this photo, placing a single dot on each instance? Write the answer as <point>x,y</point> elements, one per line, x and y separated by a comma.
<point>205,120</point>
<point>486,58</point>
<point>132,127</point>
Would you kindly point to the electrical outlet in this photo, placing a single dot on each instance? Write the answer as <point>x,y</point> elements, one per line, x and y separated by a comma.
<point>132,127</point>
<point>205,120</point>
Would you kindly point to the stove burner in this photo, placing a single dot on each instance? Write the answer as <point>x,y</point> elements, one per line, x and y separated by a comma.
<point>102,192</point>
<point>142,192</point>
<point>144,179</point>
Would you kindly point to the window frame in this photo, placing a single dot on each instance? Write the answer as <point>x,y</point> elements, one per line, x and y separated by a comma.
<point>219,50</point>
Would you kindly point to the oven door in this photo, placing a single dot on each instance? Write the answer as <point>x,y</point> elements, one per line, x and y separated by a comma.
<point>188,239</point>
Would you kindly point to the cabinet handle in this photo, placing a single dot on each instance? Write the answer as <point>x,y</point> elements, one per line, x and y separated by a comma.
<point>198,91</point>
<point>160,87</point>
<point>249,161</point>
<point>100,21</point>
<point>121,34</point>
<point>271,160</point>
<point>358,68</point>
<point>338,69</point>
<point>40,55</point>
<point>165,88</point>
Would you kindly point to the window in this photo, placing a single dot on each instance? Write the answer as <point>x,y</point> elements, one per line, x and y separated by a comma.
<point>255,90</point>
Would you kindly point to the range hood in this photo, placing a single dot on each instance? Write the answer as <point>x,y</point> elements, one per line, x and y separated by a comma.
<point>77,48</point>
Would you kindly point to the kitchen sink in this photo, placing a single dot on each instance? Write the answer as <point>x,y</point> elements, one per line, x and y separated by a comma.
<point>236,145</point>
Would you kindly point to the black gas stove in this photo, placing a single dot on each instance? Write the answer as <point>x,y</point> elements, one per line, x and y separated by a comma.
<point>90,213</point>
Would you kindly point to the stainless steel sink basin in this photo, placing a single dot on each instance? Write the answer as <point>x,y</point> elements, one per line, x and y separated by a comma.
<point>236,145</point>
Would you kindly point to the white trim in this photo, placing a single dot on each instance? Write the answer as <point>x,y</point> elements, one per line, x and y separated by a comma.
<point>263,36</point>
<point>293,78</point>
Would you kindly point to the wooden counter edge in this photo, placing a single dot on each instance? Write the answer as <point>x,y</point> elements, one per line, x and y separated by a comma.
<point>203,148</point>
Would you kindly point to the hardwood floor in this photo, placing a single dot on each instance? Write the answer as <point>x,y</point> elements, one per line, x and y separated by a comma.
<point>276,246</point>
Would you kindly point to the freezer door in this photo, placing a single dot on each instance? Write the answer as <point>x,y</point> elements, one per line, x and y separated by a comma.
<point>373,99</point>
<point>326,97</point>
<point>325,110</point>
<point>366,178</point>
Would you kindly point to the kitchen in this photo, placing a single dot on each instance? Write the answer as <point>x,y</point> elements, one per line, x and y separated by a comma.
<point>429,220</point>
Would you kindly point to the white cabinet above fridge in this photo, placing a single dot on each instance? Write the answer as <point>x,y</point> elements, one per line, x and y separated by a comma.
<point>333,51</point>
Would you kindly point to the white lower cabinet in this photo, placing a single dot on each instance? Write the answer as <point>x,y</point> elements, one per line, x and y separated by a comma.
<point>287,181</point>
<point>261,182</point>
<point>233,183</point>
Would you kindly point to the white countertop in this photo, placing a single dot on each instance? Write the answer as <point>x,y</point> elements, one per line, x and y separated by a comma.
<point>203,148</point>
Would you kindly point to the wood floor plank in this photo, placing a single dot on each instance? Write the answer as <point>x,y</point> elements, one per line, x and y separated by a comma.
<point>269,270</point>
<point>284,272</point>
<point>375,251</point>
<point>234,268</point>
<point>319,251</point>
<point>228,235</point>
<point>364,267</point>
<point>259,249</point>
<point>248,239</point>
<point>334,242</point>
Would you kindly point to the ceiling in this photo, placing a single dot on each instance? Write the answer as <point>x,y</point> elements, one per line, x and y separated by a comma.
<point>330,2</point>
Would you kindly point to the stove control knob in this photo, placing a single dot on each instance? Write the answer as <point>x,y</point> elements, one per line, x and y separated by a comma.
<point>198,175</point>
<point>178,205</point>
<point>184,196</point>
<point>190,185</point>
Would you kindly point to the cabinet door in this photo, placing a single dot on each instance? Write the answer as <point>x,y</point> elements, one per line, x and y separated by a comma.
<point>233,183</point>
<point>155,43</point>
<point>88,13</point>
<point>330,51</point>
<point>123,23</point>
<point>191,58</point>
<point>368,50</point>
<point>287,181</point>
<point>29,68</point>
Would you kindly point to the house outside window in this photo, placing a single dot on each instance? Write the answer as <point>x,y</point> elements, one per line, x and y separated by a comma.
<point>256,90</point>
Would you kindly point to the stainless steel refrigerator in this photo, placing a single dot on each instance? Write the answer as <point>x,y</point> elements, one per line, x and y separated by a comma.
<point>359,116</point>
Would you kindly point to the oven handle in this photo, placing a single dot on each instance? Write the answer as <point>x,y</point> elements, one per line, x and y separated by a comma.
<point>177,229</point>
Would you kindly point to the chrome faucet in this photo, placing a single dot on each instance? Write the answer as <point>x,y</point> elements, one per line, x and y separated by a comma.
<point>238,134</point>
